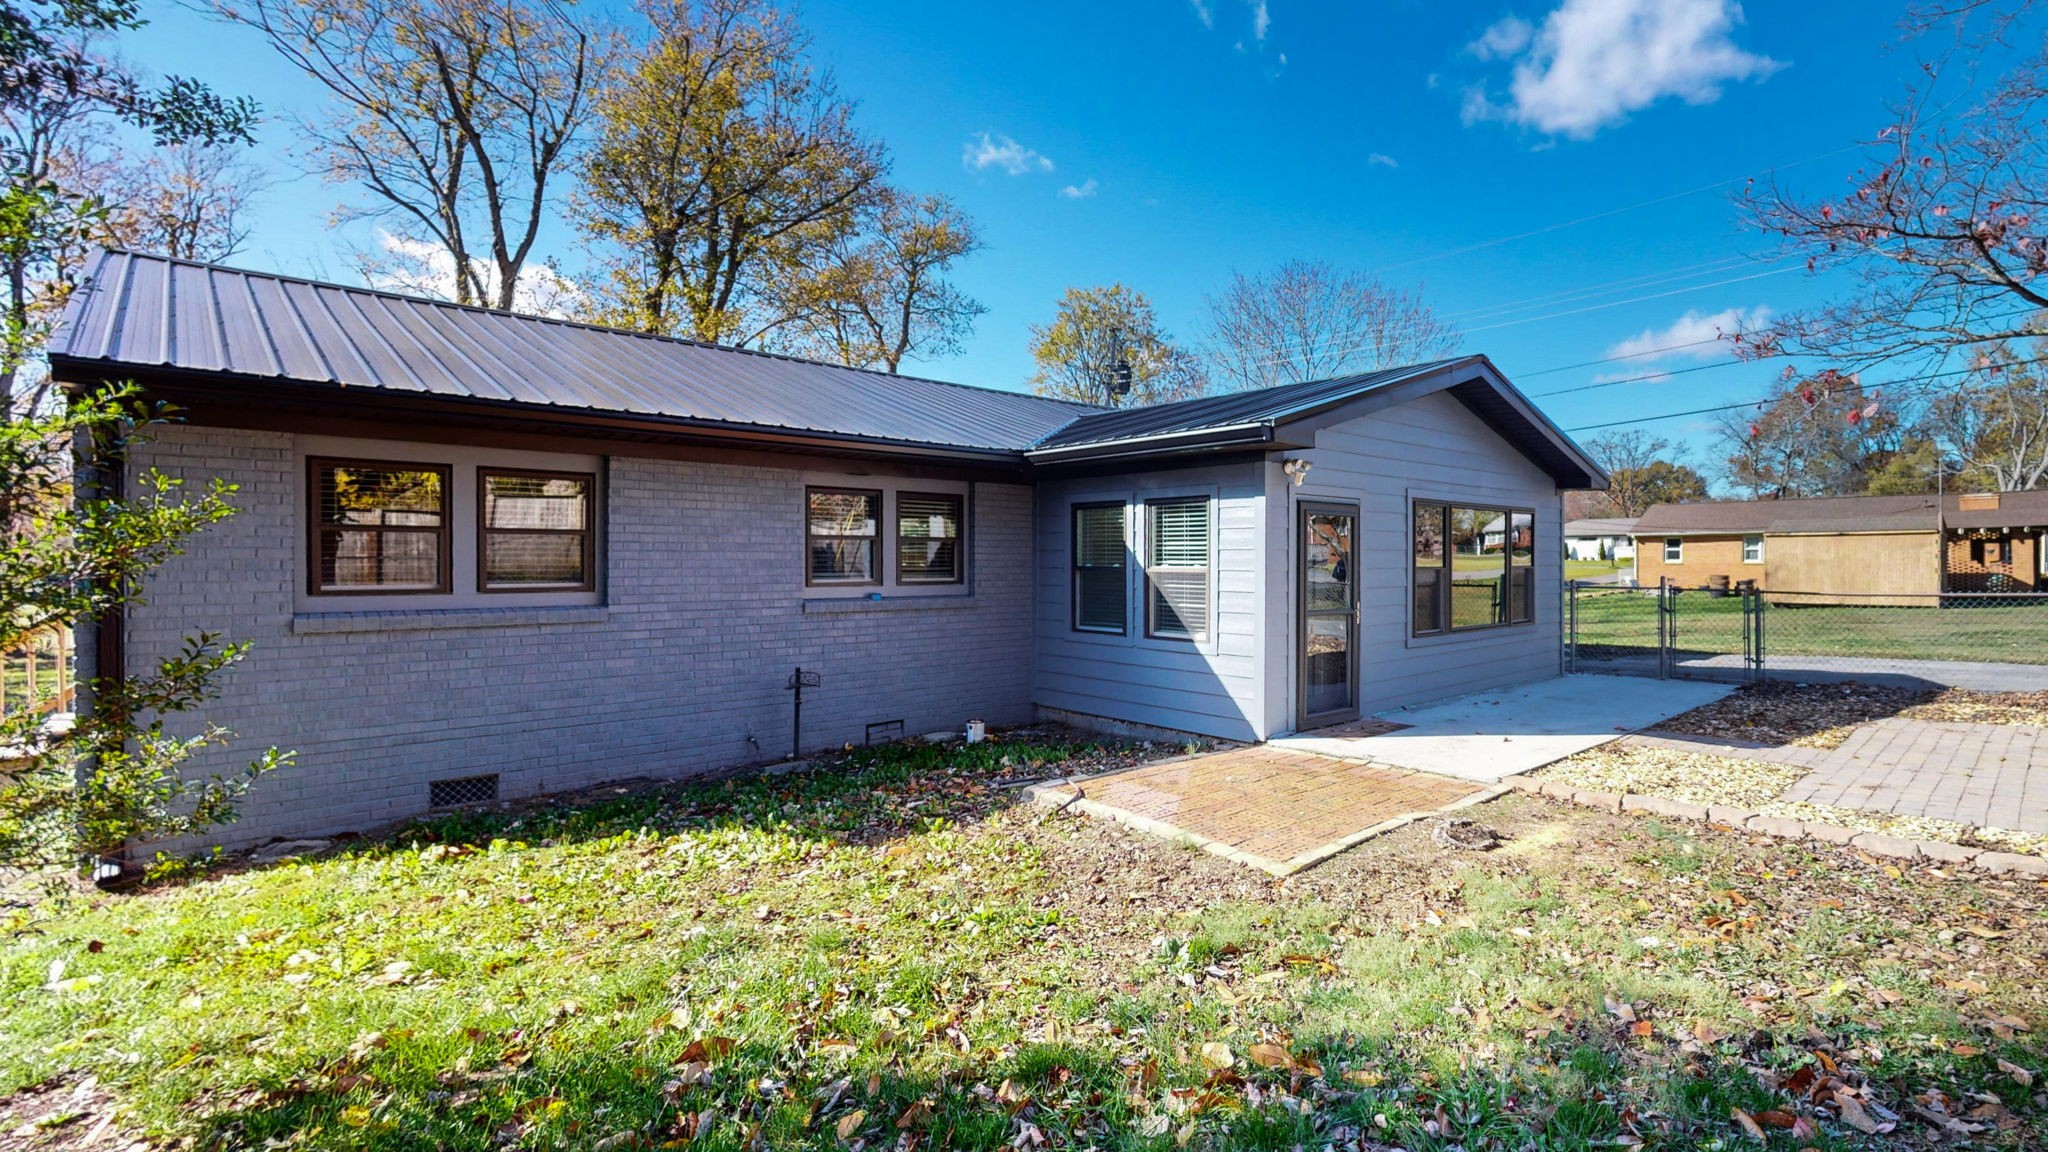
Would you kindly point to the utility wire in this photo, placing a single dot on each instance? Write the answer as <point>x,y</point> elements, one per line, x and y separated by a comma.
<point>1827,390</point>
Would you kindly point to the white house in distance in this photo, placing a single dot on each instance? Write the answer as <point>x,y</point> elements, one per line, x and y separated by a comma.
<point>1610,539</point>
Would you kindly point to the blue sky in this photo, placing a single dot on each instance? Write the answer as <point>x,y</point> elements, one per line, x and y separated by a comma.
<point>1164,143</point>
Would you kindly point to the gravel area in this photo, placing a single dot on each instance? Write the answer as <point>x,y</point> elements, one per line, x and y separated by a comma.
<point>1756,785</point>
<point>1802,715</point>
<point>1688,776</point>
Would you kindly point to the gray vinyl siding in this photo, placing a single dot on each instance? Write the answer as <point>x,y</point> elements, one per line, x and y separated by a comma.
<point>1430,448</point>
<point>704,616</point>
<point>1215,686</point>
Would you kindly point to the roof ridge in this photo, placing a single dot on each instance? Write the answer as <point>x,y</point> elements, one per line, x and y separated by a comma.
<point>609,329</point>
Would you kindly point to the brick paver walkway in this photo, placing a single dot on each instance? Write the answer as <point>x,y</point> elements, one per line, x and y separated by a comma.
<point>1983,775</point>
<point>1276,810</point>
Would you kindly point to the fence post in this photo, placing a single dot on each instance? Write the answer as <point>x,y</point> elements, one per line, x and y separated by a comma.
<point>1571,633</point>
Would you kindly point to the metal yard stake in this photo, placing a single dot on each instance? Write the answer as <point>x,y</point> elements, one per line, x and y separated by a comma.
<point>798,681</point>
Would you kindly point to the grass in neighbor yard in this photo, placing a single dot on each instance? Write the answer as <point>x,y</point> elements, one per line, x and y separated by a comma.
<point>2001,633</point>
<point>894,953</point>
<point>1585,569</point>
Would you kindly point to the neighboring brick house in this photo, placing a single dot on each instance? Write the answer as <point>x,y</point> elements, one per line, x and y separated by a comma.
<point>1850,545</point>
<point>486,555</point>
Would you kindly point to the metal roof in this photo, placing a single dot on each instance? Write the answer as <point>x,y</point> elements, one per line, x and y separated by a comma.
<point>1609,526</point>
<point>1837,514</point>
<point>179,322</point>
<point>142,311</point>
<point>1235,409</point>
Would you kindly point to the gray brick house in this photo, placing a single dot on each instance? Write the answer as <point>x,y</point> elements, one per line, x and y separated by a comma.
<point>481,554</point>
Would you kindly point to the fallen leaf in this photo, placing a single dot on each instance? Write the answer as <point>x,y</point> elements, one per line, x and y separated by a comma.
<point>1270,1056</point>
<point>2020,1076</point>
<point>1217,1055</point>
<point>1748,1123</point>
<point>851,1122</point>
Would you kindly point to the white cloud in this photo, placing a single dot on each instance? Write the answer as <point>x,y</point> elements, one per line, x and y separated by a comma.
<point>1081,191</point>
<point>424,268</point>
<point>1695,335</point>
<point>1381,160</point>
<point>995,150</point>
<point>1203,14</point>
<point>1261,19</point>
<point>1592,62</point>
<point>1507,37</point>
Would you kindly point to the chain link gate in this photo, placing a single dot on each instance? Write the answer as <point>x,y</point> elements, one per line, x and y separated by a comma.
<point>1668,632</point>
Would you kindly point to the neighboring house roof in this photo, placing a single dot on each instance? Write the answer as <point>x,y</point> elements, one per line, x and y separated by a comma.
<point>1620,526</point>
<point>1841,514</point>
<point>280,339</point>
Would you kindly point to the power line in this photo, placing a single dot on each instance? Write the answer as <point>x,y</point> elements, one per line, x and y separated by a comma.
<point>1648,376</point>
<point>1830,390</point>
<point>1484,244</point>
<point>1612,359</point>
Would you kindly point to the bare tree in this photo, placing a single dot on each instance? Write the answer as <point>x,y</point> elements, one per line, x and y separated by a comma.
<point>1996,430</point>
<point>452,115</point>
<point>722,167</point>
<point>1944,233</point>
<point>1640,472</point>
<point>1308,320</point>
<point>190,201</point>
<point>882,295</point>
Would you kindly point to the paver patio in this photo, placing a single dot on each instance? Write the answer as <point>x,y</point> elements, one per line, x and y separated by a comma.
<point>1276,810</point>
<point>1983,775</point>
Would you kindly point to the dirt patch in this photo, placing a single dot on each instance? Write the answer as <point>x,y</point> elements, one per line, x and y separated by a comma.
<point>75,1117</point>
<point>1802,715</point>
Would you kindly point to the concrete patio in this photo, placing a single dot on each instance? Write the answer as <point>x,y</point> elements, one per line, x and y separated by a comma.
<point>1287,804</point>
<point>1489,736</point>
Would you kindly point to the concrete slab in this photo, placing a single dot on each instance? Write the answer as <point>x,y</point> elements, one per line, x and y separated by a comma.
<point>1492,735</point>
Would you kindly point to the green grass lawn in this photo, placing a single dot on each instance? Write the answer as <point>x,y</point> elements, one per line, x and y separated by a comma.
<point>1999,633</point>
<point>892,953</point>
<point>1587,569</point>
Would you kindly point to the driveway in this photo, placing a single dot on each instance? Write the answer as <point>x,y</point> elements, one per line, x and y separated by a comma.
<point>1974,675</point>
<point>1489,736</point>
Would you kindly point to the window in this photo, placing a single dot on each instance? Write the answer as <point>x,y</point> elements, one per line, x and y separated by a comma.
<point>928,538</point>
<point>1674,551</point>
<point>1177,568</point>
<point>840,535</point>
<point>1522,567</point>
<point>533,532</point>
<point>1430,587</point>
<point>1752,549</point>
<point>1099,583</point>
<point>1472,567</point>
<point>379,527</point>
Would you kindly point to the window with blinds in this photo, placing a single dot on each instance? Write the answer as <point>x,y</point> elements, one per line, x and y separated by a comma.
<point>1177,568</point>
<point>1099,559</point>
<point>534,531</point>
<point>379,527</point>
<point>928,538</point>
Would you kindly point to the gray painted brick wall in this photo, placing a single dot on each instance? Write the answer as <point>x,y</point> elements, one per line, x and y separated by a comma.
<point>705,617</point>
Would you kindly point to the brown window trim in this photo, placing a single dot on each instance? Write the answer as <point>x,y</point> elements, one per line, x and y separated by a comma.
<point>1445,626</point>
<point>1145,567</point>
<point>1123,566</point>
<point>315,525</point>
<point>880,538</point>
<point>588,532</point>
<point>959,538</point>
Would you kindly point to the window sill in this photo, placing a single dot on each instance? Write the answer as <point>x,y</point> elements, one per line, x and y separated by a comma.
<point>836,606</point>
<point>1432,639</point>
<point>332,623</point>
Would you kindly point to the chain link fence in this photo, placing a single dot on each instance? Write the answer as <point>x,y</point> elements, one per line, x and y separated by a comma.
<point>1982,641</point>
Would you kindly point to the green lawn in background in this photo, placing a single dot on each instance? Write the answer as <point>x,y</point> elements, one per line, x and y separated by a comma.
<point>2000,633</point>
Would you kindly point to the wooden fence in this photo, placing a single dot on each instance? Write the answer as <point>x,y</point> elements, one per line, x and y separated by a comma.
<point>36,674</point>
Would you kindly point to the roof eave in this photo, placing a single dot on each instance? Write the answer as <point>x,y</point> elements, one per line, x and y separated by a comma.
<point>231,390</point>
<point>1236,436</point>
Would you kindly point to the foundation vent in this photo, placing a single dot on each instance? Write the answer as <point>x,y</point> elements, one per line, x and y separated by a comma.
<point>463,790</point>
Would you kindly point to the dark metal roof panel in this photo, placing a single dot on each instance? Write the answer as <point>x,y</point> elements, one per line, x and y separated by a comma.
<point>139,312</point>
<point>1265,405</point>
